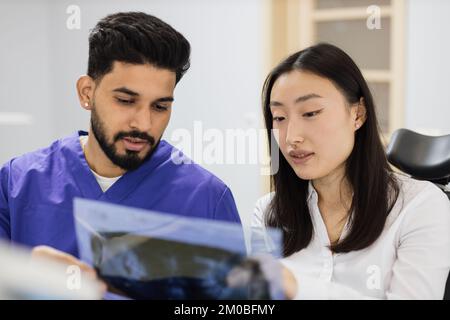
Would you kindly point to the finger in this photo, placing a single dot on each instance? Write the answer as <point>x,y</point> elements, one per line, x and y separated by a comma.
<point>64,258</point>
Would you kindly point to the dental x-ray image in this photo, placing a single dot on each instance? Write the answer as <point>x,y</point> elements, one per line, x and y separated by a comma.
<point>147,255</point>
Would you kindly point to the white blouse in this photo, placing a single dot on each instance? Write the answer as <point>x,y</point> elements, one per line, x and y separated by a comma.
<point>410,259</point>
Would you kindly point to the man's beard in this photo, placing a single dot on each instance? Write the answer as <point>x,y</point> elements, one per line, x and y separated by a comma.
<point>131,159</point>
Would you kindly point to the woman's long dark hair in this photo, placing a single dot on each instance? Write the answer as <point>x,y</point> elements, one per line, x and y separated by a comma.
<point>375,188</point>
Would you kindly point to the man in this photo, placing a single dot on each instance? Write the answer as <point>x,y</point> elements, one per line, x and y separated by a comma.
<point>135,62</point>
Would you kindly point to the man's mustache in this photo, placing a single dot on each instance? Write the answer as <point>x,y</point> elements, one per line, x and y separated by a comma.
<point>135,134</point>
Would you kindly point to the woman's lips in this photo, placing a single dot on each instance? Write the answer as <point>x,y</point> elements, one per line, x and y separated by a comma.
<point>134,144</point>
<point>301,159</point>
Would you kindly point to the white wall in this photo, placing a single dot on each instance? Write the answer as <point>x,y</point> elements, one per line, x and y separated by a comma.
<point>428,66</point>
<point>41,60</point>
<point>25,76</point>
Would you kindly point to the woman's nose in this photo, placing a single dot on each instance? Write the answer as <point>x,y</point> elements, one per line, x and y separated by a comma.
<point>294,134</point>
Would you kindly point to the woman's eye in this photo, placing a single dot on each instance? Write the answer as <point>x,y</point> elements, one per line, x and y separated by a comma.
<point>278,119</point>
<point>124,101</point>
<point>312,113</point>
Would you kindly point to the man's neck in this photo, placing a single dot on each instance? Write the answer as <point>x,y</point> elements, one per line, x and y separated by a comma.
<point>98,161</point>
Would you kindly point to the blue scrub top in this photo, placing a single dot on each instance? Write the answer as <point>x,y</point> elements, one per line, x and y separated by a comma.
<point>37,191</point>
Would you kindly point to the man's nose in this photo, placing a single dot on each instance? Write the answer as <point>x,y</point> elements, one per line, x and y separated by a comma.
<point>142,119</point>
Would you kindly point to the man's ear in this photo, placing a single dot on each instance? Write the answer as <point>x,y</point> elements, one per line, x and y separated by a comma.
<point>85,90</point>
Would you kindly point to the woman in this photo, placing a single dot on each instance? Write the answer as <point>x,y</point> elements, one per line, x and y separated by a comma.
<point>352,228</point>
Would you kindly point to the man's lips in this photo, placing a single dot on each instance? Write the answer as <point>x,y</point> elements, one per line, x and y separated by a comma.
<point>134,144</point>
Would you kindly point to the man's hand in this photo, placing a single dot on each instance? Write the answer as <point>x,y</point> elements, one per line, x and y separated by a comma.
<point>290,285</point>
<point>48,253</point>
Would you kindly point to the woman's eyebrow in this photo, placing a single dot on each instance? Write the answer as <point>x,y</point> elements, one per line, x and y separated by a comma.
<point>304,98</point>
<point>307,97</point>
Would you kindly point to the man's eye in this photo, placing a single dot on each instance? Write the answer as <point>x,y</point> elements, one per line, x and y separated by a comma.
<point>278,119</point>
<point>124,101</point>
<point>160,108</point>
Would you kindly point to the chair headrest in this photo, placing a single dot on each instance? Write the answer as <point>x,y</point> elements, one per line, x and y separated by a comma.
<point>421,156</point>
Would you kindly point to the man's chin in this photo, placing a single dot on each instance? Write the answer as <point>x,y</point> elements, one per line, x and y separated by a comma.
<point>129,159</point>
<point>135,158</point>
<point>128,162</point>
<point>140,154</point>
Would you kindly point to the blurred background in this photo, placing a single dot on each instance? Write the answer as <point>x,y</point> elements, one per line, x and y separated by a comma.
<point>402,46</point>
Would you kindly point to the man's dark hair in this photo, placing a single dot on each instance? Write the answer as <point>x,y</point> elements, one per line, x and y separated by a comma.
<point>136,38</point>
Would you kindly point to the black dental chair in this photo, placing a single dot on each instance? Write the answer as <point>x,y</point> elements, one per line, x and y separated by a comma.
<point>424,158</point>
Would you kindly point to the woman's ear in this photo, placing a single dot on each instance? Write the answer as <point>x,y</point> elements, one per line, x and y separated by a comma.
<point>85,90</point>
<point>359,113</point>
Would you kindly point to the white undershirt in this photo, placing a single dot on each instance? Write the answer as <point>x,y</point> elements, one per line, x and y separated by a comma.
<point>104,182</point>
<point>409,260</point>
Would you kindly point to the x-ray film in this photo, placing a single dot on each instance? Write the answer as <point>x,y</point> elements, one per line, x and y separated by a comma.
<point>142,254</point>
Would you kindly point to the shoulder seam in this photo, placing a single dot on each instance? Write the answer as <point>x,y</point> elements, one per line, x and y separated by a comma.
<point>220,199</point>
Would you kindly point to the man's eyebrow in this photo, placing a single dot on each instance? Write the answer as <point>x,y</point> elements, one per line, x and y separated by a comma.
<point>298,100</point>
<point>165,99</point>
<point>135,94</point>
<point>126,91</point>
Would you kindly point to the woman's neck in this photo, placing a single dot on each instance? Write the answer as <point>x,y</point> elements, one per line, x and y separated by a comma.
<point>334,191</point>
<point>335,198</point>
